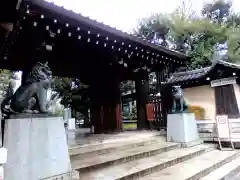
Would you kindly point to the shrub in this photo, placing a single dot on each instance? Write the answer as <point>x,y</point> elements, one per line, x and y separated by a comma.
<point>198,111</point>
<point>132,115</point>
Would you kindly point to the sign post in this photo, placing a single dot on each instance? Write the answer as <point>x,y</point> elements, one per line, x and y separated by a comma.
<point>223,130</point>
<point>1,173</point>
<point>3,160</point>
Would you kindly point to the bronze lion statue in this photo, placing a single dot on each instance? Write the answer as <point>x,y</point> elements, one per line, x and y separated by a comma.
<point>179,104</point>
<point>31,96</point>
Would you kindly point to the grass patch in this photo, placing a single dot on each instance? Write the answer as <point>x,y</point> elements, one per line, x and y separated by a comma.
<point>129,126</point>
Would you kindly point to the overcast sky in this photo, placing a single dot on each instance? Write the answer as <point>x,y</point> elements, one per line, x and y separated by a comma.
<point>124,14</point>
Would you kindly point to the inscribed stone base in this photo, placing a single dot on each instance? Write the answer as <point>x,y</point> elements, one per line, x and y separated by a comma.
<point>182,128</point>
<point>37,148</point>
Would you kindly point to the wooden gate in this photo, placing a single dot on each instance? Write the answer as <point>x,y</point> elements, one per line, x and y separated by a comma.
<point>161,98</point>
<point>157,108</point>
<point>155,100</point>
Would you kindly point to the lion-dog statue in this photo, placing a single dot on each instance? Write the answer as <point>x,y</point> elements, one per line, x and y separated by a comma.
<point>179,104</point>
<point>31,96</point>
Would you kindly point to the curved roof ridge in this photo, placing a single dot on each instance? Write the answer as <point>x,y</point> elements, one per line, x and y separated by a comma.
<point>92,22</point>
<point>228,63</point>
<point>200,70</point>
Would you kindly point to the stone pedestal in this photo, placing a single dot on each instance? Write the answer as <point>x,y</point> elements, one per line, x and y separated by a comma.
<point>37,148</point>
<point>182,128</point>
<point>1,131</point>
<point>71,124</point>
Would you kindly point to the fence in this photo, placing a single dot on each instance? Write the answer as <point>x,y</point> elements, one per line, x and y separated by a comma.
<point>208,131</point>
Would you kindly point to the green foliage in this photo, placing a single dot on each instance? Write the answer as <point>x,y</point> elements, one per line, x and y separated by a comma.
<point>5,78</point>
<point>199,37</point>
<point>233,41</point>
<point>133,114</point>
<point>129,126</point>
<point>72,92</point>
<point>59,111</point>
<point>233,20</point>
<point>126,86</point>
<point>154,27</point>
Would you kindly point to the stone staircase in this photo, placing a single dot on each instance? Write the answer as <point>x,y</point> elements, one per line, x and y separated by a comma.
<point>153,158</point>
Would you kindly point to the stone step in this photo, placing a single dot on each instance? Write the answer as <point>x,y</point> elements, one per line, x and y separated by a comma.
<point>226,172</point>
<point>140,167</point>
<point>195,168</point>
<point>104,148</point>
<point>121,156</point>
<point>237,177</point>
<point>97,139</point>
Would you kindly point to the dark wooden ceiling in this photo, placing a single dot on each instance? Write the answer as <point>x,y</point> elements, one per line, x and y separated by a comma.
<point>81,47</point>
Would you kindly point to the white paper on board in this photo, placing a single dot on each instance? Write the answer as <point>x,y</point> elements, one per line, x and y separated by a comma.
<point>223,126</point>
<point>3,155</point>
<point>1,173</point>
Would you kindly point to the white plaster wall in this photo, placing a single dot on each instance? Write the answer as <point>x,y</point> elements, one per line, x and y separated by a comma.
<point>202,96</point>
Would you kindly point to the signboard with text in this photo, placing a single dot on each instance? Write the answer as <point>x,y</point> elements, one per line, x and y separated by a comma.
<point>223,82</point>
<point>223,128</point>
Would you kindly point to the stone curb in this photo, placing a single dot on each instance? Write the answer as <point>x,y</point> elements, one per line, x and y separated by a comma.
<point>125,159</point>
<point>214,167</point>
<point>164,165</point>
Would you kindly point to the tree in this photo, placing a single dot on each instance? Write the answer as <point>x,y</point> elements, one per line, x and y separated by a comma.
<point>6,82</point>
<point>233,44</point>
<point>72,92</point>
<point>217,11</point>
<point>127,86</point>
<point>202,38</point>
<point>233,20</point>
<point>155,29</point>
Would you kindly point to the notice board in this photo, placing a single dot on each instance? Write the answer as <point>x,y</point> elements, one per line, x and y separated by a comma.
<point>223,128</point>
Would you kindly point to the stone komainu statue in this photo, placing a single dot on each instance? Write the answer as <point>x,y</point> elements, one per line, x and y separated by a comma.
<point>31,96</point>
<point>179,104</point>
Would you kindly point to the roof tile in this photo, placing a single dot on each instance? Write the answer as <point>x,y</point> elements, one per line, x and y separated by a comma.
<point>198,73</point>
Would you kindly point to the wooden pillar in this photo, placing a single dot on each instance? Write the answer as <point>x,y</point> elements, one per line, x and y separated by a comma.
<point>112,109</point>
<point>142,101</point>
<point>106,106</point>
<point>97,118</point>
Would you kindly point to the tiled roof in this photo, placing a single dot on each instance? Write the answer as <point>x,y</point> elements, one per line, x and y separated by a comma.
<point>93,23</point>
<point>198,73</point>
<point>188,75</point>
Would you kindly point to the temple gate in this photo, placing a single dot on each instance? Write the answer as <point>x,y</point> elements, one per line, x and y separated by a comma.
<point>98,55</point>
